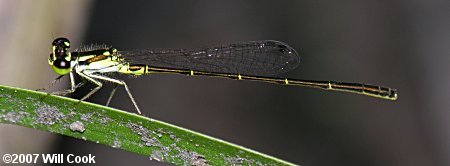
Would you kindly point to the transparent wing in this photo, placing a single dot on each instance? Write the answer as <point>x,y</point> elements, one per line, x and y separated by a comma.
<point>258,58</point>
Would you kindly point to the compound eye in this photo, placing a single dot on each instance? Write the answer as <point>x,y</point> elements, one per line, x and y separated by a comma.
<point>62,64</point>
<point>61,42</point>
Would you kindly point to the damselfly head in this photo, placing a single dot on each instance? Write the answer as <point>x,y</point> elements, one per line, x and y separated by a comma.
<point>60,57</point>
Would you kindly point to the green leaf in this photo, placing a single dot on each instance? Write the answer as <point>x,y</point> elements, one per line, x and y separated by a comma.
<point>124,130</point>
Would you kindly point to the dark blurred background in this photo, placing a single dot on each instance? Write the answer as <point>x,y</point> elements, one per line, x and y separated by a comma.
<point>397,43</point>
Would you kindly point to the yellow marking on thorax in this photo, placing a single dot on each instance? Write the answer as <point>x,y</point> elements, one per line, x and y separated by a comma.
<point>84,58</point>
<point>97,58</point>
<point>133,69</point>
<point>192,72</point>
<point>286,81</point>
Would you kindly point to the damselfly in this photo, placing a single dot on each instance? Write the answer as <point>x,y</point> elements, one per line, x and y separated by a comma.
<point>254,60</point>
